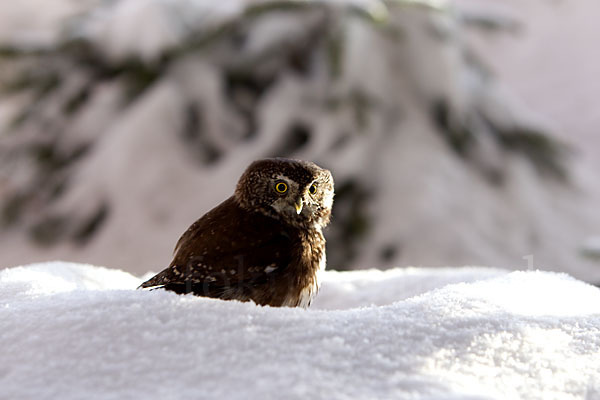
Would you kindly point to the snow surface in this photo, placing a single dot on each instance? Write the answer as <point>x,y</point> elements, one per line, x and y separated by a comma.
<point>74,331</point>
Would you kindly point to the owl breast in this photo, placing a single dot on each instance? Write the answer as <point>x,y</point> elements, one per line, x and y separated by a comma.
<point>309,292</point>
<point>308,269</point>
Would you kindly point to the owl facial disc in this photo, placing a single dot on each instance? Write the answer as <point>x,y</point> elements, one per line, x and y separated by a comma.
<point>299,193</point>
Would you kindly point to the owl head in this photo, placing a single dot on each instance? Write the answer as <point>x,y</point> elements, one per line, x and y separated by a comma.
<point>299,193</point>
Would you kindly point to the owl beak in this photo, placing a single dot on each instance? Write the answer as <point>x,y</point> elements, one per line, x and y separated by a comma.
<point>298,204</point>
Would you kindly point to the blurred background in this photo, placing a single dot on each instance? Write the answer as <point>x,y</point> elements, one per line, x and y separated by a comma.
<point>458,132</point>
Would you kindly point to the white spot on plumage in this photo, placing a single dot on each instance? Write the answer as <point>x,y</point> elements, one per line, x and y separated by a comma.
<point>270,268</point>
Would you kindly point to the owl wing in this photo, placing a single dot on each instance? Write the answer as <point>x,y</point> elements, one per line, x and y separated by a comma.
<point>228,246</point>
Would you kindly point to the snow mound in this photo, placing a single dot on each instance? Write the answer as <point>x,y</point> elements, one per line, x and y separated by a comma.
<point>77,331</point>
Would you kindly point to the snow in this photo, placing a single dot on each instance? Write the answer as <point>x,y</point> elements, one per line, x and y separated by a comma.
<point>78,331</point>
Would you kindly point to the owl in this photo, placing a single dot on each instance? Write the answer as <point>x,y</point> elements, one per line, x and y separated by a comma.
<point>265,243</point>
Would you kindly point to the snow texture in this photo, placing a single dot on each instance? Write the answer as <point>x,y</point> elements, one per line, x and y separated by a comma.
<point>74,331</point>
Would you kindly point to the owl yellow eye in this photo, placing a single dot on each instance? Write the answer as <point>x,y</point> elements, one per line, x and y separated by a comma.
<point>312,189</point>
<point>281,187</point>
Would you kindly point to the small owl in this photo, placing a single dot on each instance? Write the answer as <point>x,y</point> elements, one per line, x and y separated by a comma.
<point>265,243</point>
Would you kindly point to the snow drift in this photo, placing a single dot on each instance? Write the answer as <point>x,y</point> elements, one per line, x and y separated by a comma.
<point>77,331</point>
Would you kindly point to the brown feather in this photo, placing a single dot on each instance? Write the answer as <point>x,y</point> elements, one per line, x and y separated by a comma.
<point>245,251</point>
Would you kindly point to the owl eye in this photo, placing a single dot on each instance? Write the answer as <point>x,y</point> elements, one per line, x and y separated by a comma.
<point>281,187</point>
<point>312,189</point>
